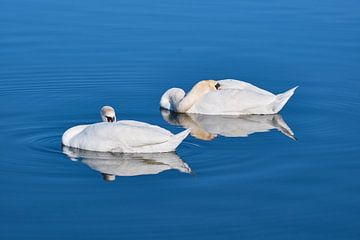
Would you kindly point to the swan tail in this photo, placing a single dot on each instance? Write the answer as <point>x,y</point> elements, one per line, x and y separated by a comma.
<point>177,139</point>
<point>282,99</point>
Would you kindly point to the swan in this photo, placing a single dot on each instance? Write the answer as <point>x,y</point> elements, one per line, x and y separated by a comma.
<point>122,136</point>
<point>224,97</point>
<point>208,127</point>
<point>111,165</point>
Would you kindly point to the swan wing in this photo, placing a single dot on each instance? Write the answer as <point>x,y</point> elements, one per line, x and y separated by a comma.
<point>233,101</point>
<point>119,136</point>
<point>227,84</point>
<point>144,125</point>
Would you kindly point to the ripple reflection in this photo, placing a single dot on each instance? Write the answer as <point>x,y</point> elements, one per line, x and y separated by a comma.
<point>208,127</point>
<point>111,165</point>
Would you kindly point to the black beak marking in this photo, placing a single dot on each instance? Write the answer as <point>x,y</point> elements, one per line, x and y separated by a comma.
<point>217,86</point>
<point>110,119</point>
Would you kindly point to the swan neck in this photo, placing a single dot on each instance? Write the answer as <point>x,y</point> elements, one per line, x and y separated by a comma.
<point>189,100</point>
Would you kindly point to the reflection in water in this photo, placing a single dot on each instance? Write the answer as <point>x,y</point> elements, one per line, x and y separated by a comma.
<point>207,127</point>
<point>111,165</point>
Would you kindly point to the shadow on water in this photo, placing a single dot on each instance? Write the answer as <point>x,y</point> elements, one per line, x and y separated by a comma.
<point>111,165</point>
<point>208,127</point>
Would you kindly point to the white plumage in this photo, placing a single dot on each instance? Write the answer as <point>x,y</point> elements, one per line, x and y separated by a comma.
<point>122,136</point>
<point>225,97</point>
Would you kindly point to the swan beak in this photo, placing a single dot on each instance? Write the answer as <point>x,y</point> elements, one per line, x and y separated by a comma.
<point>217,86</point>
<point>110,119</point>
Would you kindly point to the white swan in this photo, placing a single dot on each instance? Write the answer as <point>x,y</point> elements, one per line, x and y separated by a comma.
<point>111,165</point>
<point>224,97</point>
<point>122,136</point>
<point>207,127</point>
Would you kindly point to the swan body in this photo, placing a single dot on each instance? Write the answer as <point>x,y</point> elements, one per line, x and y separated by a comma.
<point>111,165</point>
<point>207,127</point>
<point>122,136</point>
<point>225,97</point>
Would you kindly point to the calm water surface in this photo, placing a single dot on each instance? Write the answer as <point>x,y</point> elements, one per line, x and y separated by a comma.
<point>60,61</point>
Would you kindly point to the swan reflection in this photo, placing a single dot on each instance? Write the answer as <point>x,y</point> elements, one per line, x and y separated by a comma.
<point>111,165</point>
<point>207,127</point>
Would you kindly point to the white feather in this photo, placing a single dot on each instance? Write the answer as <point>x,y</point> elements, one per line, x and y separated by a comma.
<point>233,98</point>
<point>122,136</point>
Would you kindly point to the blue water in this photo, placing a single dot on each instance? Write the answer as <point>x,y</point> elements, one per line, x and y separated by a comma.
<point>60,61</point>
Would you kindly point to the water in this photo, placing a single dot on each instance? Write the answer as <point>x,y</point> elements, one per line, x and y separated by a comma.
<point>60,61</point>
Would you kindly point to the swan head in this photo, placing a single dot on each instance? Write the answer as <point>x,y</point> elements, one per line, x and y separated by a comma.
<point>108,114</point>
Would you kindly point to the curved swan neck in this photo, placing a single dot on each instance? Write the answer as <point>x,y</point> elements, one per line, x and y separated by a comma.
<point>186,103</point>
<point>192,97</point>
<point>175,99</point>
